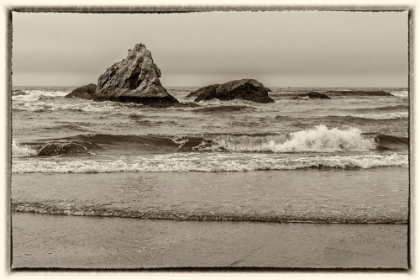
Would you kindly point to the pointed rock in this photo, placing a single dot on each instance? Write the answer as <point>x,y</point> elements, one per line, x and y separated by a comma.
<point>134,79</point>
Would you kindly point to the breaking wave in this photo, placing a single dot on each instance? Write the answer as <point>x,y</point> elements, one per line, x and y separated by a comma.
<point>389,142</point>
<point>318,139</point>
<point>33,95</point>
<point>19,150</point>
<point>53,148</point>
<point>212,162</point>
<point>400,93</point>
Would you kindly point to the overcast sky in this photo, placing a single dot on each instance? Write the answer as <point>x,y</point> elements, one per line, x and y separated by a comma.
<point>360,49</point>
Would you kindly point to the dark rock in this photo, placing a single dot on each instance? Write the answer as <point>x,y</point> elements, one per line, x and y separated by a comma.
<point>247,89</point>
<point>208,90</point>
<point>134,79</point>
<point>84,92</point>
<point>313,95</point>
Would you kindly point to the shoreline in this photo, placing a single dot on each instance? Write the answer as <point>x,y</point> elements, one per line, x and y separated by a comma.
<point>73,242</point>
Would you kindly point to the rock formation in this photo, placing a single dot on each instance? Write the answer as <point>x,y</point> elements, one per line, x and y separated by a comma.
<point>84,92</point>
<point>247,89</point>
<point>208,90</point>
<point>134,79</point>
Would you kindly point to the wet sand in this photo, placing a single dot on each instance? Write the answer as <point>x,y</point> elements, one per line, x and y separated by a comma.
<point>52,241</point>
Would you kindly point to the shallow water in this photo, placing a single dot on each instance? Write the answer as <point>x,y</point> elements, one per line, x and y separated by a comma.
<point>359,196</point>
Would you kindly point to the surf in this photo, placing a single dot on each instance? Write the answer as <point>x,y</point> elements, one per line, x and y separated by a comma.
<point>206,162</point>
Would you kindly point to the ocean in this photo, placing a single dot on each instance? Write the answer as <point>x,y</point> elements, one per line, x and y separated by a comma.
<point>343,160</point>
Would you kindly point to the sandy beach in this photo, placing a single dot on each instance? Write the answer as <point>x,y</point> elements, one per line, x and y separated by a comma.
<point>53,241</point>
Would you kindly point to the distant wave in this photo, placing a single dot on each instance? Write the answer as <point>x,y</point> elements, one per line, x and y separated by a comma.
<point>17,92</point>
<point>224,109</point>
<point>400,107</point>
<point>388,116</point>
<point>364,117</point>
<point>400,93</point>
<point>81,106</point>
<point>33,95</point>
<point>202,215</point>
<point>213,162</point>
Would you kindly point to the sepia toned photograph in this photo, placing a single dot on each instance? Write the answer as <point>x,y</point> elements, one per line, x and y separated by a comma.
<point>210,138</point>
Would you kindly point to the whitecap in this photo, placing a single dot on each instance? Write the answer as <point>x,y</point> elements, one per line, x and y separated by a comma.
<point>318,139</point>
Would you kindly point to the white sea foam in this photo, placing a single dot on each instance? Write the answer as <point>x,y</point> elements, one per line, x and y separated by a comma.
<point>212,162</point>
<point>318,139</point>
<point>19,150</point>
<point>382,116</point>
<point>386,116</point>
<point>400,93</point>
<point>33,95</point>
<point>83,106</point>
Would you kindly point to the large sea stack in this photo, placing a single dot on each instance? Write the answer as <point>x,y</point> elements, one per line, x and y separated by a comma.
<point>134,79</point>
<point>247,89</point>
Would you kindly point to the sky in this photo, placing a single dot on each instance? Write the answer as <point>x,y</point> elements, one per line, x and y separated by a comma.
<point>279,48</point>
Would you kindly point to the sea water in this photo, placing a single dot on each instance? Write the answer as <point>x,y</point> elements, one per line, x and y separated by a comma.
<point>340,160</point>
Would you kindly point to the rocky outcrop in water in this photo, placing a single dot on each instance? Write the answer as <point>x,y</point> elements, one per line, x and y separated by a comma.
<point>134,79</point>
<point>247,89</point>
<point>84,92</point>
<point>208,90</point>
<point>312,95</point>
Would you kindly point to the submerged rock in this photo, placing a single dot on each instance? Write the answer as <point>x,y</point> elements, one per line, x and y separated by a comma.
<point>247,89</point>
<point>134,79</point>
<point>312,95</point>
<point>84,92</point>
